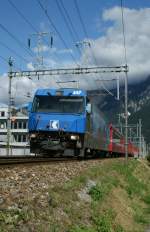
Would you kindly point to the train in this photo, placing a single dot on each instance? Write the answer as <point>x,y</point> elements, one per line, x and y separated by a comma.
<point>66,120</point>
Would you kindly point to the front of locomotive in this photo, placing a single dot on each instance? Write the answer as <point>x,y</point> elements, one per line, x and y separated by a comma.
<point>57,120</point>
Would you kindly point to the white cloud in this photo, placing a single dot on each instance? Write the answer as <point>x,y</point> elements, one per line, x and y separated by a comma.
<point>42,48</point>
<point>64,51</point>
<point>30,66</point>
<point>107,49</point>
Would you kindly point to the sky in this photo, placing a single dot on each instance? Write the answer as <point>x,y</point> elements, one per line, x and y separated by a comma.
<point>101,27</point>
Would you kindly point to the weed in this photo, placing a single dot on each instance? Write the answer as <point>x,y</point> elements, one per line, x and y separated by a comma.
<point>104,222</point>
<point>134,186</point>
<point>76,183</point>
<point>12,217</point>
<point>118,228</point>
<point>146,199</point>
<point>148,158</point>
<point>139,218</point>
<point>96,192</point>
<point>81,229</point>
<point>147,210</point>
<point>54,228</point>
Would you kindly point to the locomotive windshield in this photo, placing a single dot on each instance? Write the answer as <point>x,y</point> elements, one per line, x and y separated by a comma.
<point>58,104</point>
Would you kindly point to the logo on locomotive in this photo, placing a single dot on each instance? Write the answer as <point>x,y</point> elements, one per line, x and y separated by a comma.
<point>54,124</point>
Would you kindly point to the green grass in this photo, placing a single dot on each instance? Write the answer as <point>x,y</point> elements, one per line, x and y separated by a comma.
<point>148,158</point>
<point>67,212</point>
<point>96,192</point>
<point>13,216</point>
<point>146,199</point>
<point>81,229</point>
<point>133,185</point>
<point>107,178</point>
<point>102,223</point>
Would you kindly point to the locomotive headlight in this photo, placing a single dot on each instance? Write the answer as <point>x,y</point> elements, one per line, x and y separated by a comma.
<point>74,137</point>
<point>32,135</point>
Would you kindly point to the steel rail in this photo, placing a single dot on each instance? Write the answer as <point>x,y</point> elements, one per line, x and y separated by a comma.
<point>22,160</point>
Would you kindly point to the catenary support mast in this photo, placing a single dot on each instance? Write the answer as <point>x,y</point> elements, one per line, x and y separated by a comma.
<point>10,62</point>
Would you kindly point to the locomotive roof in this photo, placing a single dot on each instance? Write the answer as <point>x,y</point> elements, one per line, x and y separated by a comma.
<point>61,92</point>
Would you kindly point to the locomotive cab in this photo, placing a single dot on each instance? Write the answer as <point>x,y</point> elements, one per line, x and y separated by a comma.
<point>57,120</point>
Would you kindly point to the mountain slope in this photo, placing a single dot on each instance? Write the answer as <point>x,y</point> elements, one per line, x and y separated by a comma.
<point>138,105</point>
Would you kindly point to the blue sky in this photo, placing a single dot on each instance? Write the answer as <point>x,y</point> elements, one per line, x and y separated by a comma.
<point>91,11</point>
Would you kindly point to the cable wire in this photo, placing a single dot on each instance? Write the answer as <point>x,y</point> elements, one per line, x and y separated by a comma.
<point>22,16</point>
<point>86,34</point>
<point>13,51</point>
<point>6,61</point>
<point>16,39</point>
<point>84,29</point>
<point>66,22</point>
<point>55,28</point>
<point>27,21</point>
<point>69,19</point>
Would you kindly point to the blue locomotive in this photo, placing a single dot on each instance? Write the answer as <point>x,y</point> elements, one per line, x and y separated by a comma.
<point>66,119</point>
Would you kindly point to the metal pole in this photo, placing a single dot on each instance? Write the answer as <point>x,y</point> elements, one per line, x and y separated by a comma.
<point>143,147</point>
<point>145,153</point>
<point>119,122</point>
<point>9,107</point>
<point>39,58</point>
<point>137,130</point>
<point>118,93</point>
<point>130,133</point>
<point>140,138</point>
<point>126,115</point>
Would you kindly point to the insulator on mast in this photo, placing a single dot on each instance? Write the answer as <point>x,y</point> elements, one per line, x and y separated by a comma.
<point>29,42</point>
<point>51,41</point>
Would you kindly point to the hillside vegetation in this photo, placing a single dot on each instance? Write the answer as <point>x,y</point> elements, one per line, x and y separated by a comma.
<point>109,197</point>
<point>138,105</point>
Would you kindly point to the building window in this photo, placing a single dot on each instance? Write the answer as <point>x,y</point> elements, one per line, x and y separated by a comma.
<point>2,113</point>
<point>19,138</point>
<point>15,125</point>
<point>24,125</point>
<point>2,125</point>
<point>20,125</point>
<point>15,138</point>
<point>24,138</point>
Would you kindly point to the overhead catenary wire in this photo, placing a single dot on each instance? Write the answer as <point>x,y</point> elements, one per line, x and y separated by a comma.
<point>27,21</point>
<point>66,22</point>
<point>22,15</point>
<point>90,47</point>
<point>16,39</point>
<point>84,29</point>
<point>6,61</point>
<point>55,28</point>
<point>13,51</point>
<point>69,19</point>
<point>81,20</point>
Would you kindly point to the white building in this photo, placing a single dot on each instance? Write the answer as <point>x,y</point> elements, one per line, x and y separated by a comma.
<point>19,128</point>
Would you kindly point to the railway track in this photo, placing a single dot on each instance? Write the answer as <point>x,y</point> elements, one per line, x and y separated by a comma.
<point>22,160</point>
<point>41,159</point>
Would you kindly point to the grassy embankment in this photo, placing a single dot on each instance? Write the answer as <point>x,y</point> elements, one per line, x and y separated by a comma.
<point>110,197</point>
